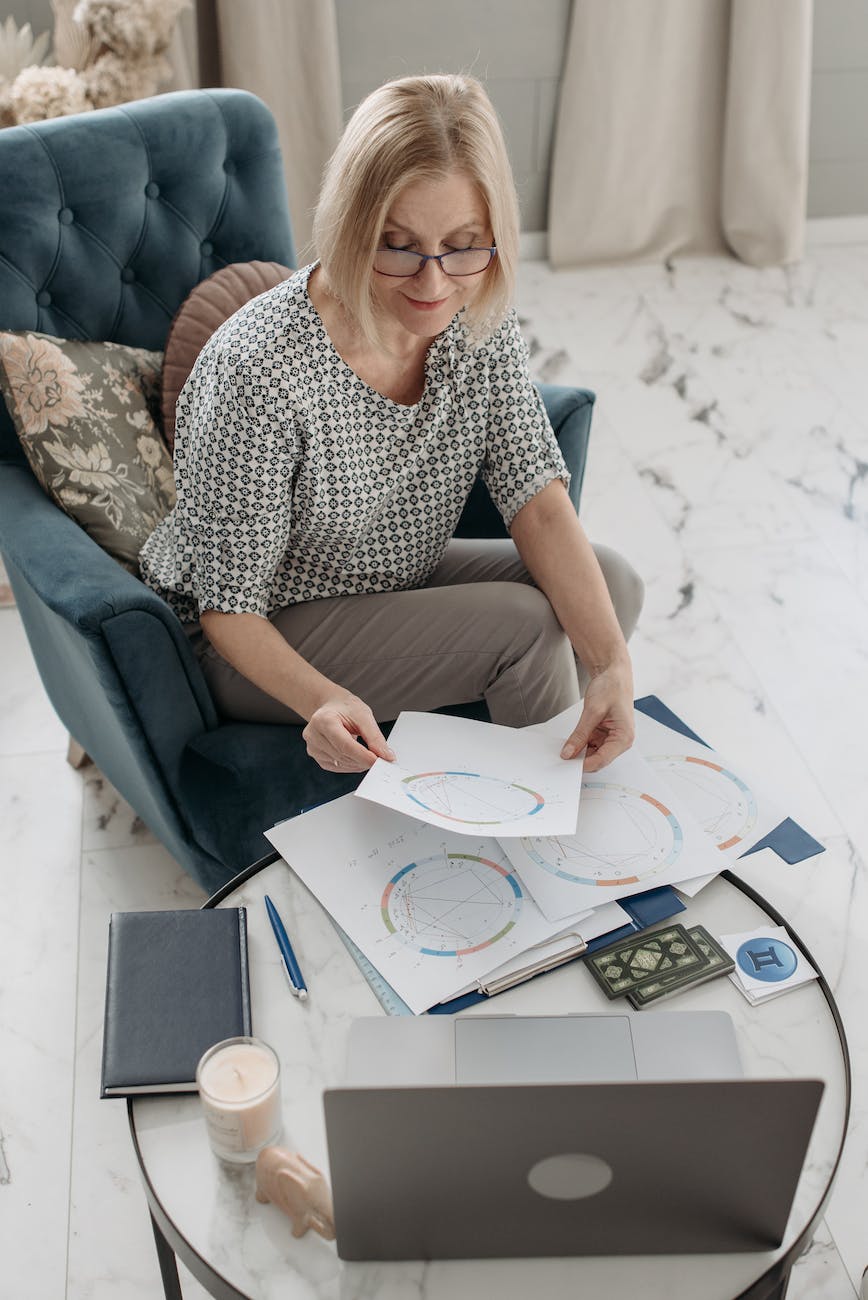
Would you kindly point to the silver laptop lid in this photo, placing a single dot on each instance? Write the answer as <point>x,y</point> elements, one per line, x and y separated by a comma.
<point>566,1169</point>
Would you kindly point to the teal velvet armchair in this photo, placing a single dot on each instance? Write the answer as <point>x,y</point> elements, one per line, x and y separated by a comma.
<point>107,221</point>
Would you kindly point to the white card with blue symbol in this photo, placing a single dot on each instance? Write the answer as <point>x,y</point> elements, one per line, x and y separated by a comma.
<point>631,835</point>
<point>478,778</point>
<point>767,963</point>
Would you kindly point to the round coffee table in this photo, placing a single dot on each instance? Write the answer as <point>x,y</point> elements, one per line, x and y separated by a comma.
<point>206,1213</point>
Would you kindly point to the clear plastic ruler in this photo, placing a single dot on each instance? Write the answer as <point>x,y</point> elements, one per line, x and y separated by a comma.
<point>384,993</point>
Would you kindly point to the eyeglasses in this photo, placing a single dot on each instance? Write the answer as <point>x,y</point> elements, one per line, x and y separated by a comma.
<point>401,263</point>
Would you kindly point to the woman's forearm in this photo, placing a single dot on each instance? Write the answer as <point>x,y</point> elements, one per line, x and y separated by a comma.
<point>562,563</point>
<point>257,650</point>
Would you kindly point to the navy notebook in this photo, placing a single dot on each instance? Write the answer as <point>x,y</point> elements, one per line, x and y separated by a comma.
<point>177,983</point>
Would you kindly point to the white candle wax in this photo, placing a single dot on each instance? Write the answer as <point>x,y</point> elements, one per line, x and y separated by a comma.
<point>239,1086</point>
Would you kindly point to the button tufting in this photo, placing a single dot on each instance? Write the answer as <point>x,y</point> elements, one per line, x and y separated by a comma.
<point>152,189</point>
<point>229,167</point>
<point>128,275</point>
<point>206,248</point>
<point>65,216</point>
<point>43,298</point>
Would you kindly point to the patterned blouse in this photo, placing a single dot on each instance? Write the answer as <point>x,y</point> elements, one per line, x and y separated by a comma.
<point>296,480</point>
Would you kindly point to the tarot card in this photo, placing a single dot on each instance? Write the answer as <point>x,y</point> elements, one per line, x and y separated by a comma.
<point>624,966</point>
<point>717,962</point>
<point>709,946</point>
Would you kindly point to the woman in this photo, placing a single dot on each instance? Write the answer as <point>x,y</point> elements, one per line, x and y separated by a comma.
<point>326,443</point>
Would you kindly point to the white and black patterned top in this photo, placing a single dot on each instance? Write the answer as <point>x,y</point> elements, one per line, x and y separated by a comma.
<point>296,480</point>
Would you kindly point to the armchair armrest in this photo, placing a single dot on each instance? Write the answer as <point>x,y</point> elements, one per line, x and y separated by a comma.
<point>73,576</point>
<point>99,636</point>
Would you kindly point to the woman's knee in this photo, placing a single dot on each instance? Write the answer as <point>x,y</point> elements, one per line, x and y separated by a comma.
<point>536,675</point>
<point>526,611</point>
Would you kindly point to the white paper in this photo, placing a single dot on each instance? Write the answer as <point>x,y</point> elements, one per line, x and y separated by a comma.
<point>690,888</point>
<point>432,910</point>
<point>476,778</point>
<point>724,797</point>
<point>630,837</point>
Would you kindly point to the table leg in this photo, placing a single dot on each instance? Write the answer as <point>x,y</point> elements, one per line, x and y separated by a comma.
<point>780,1291</point>
<point>76,756</point>
<point>168,1264</point>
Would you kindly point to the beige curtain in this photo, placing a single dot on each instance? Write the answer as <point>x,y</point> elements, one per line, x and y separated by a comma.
<point>682,128</point>
<point>183,53</point>
<point>286,52</point>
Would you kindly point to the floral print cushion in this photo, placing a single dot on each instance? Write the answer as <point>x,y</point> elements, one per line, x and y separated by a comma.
<point>84,413</point>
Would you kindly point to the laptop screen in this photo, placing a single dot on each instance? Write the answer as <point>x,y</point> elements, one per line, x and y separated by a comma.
<point>454,1172</point>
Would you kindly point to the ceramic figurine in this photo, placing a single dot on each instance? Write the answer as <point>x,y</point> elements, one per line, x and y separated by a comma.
<point>298,1188</point>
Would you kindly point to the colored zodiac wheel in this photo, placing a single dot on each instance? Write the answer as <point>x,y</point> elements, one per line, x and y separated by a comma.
<point>723,804</point>
<point>451,904</point>
<point>472,797</point>
<point>623,836</point>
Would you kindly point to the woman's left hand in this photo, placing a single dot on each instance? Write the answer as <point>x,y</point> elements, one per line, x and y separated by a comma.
<point>606,724</point>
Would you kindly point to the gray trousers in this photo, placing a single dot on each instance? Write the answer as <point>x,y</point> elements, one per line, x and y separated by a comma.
<point>480,630</point>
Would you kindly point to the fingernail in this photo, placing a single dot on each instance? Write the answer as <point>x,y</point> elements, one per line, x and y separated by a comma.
<point>568,751</point>
<point>390,754</point>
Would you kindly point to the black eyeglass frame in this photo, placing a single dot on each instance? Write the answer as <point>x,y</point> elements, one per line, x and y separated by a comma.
<point>439,257</point>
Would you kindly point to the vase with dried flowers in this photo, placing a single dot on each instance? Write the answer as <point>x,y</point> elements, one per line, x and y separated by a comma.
<point>105,52</point>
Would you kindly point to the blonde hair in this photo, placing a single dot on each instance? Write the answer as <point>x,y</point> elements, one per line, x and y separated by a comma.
<point>412,129</point>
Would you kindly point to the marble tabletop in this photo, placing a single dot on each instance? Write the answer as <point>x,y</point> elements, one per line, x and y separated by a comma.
<point>249,1247</point>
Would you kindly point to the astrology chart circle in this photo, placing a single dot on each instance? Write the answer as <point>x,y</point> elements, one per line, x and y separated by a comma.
<point>472,797</point>
<point>622,837</point>
<point>451,904</point>
<point>724,806</point>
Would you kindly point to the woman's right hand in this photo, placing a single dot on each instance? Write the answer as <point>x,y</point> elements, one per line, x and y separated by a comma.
<point>333,733</point>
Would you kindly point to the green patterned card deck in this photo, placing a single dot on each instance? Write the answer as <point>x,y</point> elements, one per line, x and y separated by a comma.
<point>626,965</point>
<point>716,961</point>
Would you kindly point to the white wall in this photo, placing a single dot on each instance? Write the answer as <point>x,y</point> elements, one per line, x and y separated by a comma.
<point>515,46</point>
<point>838,176</point>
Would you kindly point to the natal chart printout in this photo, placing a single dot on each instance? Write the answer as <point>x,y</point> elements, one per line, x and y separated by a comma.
<point>631,836</point>
<point>477,778</point>
<point>433,911</point>
<point>722,796</point>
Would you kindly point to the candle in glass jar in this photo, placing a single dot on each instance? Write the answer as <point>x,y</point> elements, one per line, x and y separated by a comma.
<point>239,1086</point>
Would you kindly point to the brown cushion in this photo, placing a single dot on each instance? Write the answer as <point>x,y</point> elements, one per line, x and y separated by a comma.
<point>85,415</point>
<point>202,312</point>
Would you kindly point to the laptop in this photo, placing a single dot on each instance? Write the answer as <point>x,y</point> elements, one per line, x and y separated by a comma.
<point>496,1136</point>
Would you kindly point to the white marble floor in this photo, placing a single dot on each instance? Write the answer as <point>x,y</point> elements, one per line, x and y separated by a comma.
<point>730,463</point>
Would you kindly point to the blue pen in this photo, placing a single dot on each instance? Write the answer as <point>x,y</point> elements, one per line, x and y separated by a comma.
<point>287,956</point>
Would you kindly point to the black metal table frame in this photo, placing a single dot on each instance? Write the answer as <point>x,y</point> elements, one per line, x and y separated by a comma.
<point>772,1285</point>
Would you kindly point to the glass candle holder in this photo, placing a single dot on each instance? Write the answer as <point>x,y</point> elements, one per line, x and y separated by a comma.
<point>239,1087</point>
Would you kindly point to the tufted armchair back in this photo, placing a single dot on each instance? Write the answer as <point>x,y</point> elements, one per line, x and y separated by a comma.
<point>108,219</point>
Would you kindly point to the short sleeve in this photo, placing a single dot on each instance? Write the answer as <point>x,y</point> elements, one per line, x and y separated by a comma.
<point>522,454</point>
<point>234,463</point>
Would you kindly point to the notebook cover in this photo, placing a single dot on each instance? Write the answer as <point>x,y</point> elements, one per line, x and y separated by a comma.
<point>789,840</point>
<point>177,983</point>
